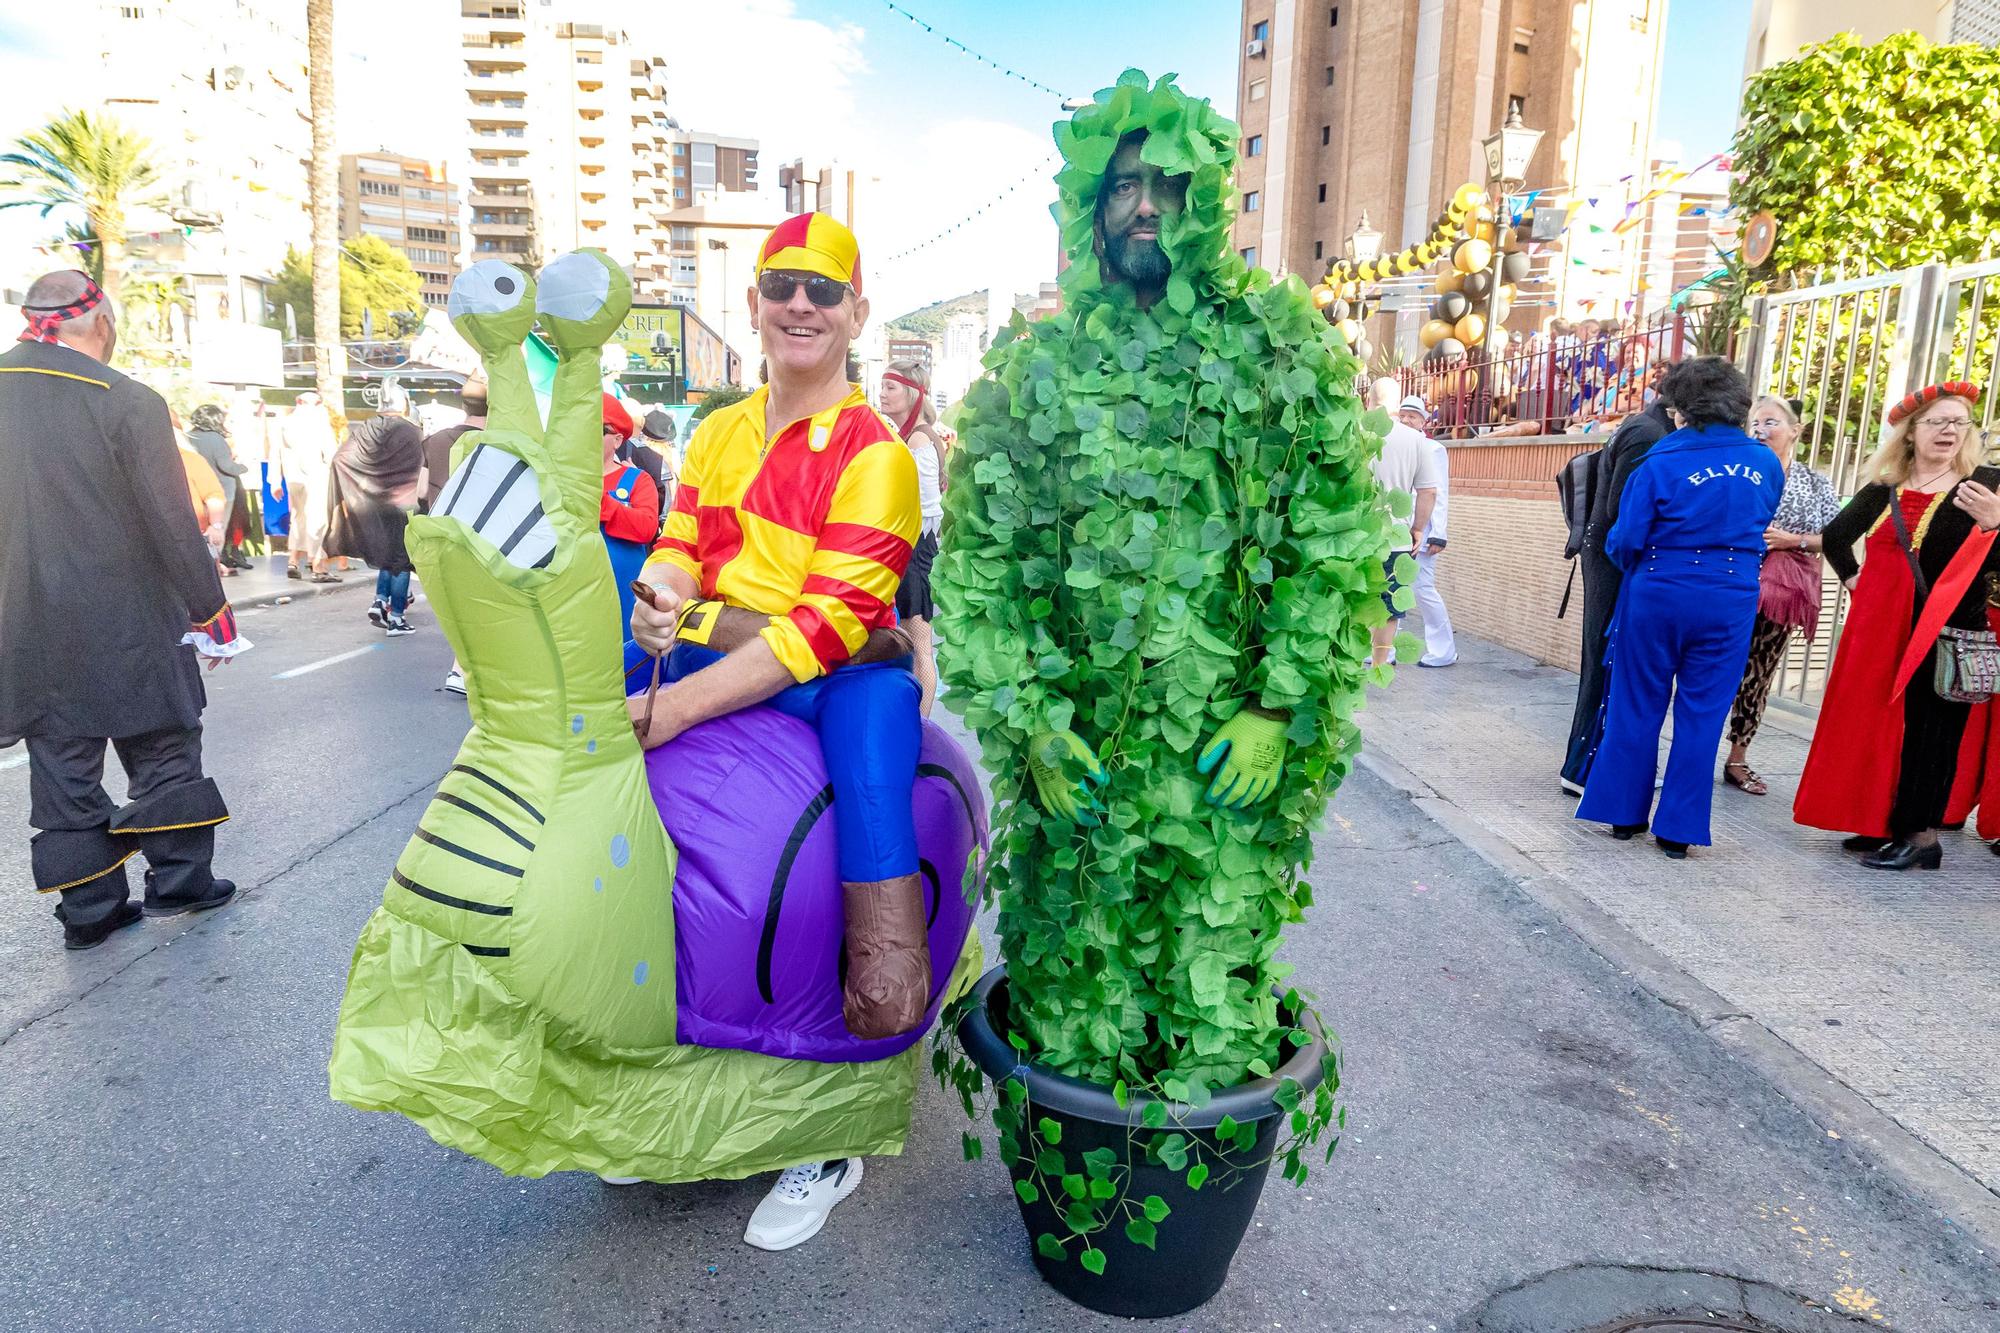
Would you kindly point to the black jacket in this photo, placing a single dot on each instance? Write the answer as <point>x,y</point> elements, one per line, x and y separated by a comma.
<point>1628,447</point>
<point>102,567</point>
<point>375,489</point>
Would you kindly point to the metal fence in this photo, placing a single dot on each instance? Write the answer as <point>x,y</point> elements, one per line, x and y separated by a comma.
<point>1845,352</point>
<point>1550,384</point>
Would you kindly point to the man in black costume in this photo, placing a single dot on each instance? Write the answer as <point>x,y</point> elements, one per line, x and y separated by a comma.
<point>107,595</point>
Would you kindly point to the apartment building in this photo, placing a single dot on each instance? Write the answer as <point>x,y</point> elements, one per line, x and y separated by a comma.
<point>1778,28</point>
<point>567,138</point>
<point>702,163</point>
<point>1347,108</point>
<point>712,246</point>
<point>218,87</point>
<point>409,203</point>
<point>852,196</point>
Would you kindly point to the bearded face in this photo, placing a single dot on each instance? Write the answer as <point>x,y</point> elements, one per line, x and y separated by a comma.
<point>1136,198</point>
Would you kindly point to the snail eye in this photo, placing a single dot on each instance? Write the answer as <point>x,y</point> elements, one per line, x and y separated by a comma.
<point>489,287</point>
<point>574,287</point>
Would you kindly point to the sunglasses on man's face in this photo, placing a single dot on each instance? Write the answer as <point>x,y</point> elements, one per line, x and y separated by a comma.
<point>822,291</point>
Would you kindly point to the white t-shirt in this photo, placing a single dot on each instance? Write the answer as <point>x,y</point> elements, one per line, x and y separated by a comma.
<point>1407,464</point>
<point>930,494</point>
<point>1441,456</point>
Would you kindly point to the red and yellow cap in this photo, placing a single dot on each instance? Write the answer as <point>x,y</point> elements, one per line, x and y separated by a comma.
<point>1929,394</point>
<point>813,243</point>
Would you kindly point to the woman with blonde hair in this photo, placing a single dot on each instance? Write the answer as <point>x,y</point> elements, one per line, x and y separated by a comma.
<point>1886,752</point>
<point>1788,582</point>
<point>907,402</point>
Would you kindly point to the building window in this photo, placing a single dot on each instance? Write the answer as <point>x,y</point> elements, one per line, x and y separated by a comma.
<point>1325,135</point>
<point>1329,76</point>
<point>1257,90</point>
<point>1322,192</point>
<point>1333,17</point>
<point>1261,31</point>
<point>1255,147</point>
<point>1249,253</point>
<point>1319,249</point>
<point>1252,201</point>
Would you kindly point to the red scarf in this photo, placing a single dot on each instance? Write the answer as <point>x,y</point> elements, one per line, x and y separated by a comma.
<point>43,320</point>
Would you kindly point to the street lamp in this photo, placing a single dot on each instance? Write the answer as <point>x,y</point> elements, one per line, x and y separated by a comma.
<point>723,246</point>
<point>1508,152</point>
<point>1364,244</point>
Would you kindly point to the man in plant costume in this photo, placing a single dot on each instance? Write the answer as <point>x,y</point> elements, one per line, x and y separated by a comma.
<point>1162,558</point>
<point>568,970</point>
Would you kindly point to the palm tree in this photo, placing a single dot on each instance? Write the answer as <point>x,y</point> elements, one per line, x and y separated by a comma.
<point>324,187</point>
<point>89,163</point>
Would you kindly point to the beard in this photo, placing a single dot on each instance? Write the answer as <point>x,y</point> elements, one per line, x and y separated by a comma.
<point>1142,263</point>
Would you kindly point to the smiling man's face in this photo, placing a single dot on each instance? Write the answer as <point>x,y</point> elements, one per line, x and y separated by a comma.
<point>1137,198</point>
<point>803,339</point>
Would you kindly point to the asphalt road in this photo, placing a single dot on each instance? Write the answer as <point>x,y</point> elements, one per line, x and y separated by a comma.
<point>169,1156</point>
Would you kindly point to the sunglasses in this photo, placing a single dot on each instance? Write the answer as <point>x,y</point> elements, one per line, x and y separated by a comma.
<point>822,291</point>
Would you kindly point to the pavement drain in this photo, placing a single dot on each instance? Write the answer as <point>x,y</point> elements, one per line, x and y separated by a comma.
<point>1615,1298</point>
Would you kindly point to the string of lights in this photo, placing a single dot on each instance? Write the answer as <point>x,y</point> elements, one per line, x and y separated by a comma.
<point>1037,171</point>
<point>982,59</point>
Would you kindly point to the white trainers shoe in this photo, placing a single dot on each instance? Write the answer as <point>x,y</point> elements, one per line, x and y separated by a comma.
<point>797,1206</point>
<point>622,1180</point>
<point>454,680</point>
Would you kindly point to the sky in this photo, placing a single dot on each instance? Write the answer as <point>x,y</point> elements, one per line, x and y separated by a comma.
<point>857,81</point>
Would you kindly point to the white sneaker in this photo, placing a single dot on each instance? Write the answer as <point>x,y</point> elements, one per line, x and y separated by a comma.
<point>454,680</point>
<point>622,1180</point>
<point>797,1206</point>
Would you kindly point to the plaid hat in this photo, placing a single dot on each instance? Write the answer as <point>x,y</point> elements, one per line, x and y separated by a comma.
<point>43,320</point>
<point>617,418</point>
<point>813,243</point>
<point>1929,394</point>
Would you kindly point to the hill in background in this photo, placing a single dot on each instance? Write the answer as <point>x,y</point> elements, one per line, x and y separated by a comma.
<point>928,323</point>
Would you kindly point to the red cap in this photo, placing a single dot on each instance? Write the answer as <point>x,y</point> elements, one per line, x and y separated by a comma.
<point>616,417</point>
<point>1929,394</point>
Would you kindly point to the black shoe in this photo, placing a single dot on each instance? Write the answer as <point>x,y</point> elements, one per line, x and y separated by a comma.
<point>1676,850</point>
<point>1904,855</point>
<point>1627,832</point>
<point>79,938</point>
<point>292,572</point>
<point>1862,843</point>
<point>378,614</point>
<point>396,626</point>
<point>219,892</point>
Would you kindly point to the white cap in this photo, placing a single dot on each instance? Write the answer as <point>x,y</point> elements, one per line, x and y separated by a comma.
<point>1415,403</point>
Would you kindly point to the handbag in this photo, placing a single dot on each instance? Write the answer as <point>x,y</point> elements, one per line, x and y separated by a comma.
<point>1788,590</point>
<point>1967,667</point>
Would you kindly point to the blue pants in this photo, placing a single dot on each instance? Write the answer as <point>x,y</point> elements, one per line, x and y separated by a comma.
<point>1677,634</point>
<point>869,733</point>
<point>393,589</point>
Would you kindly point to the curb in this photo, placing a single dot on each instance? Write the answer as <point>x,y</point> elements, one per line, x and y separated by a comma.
<point>303,590</point>
<point>1963,1203</point>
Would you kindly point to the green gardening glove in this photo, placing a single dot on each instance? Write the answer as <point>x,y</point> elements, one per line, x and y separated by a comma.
<point>1061,793</point>
<point>1247,757</point>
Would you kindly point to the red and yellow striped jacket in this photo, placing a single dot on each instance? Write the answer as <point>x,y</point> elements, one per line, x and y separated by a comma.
<point>813,528</point>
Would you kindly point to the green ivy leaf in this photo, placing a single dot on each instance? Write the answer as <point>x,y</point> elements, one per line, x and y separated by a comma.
<point>1154,1116</point>
<point>1026,1189</point>
<point>1048,1246</point>
<point>974,1149</point>
<point>1156,1208</point>
<point>1197,1175</point>
<point>1051,1131</point>
<point>1141,1232</point>
<point>1093,1259</point>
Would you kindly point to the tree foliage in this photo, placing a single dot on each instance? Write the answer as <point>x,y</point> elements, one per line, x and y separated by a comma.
<point>374,276</point>
<point>720,396</point>
<point>1157,517</point>
<point>93,168</point>
<point>1886,154</point>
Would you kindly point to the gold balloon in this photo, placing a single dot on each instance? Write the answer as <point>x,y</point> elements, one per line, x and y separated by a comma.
<point>1323,296</point>
<point>1481,231</point>
<point>1350,329</point>
<point>1496,342</point>
<point>1469,196</point>
<point>1472,256</point>
<point>1449,281</point>
<point>1434,332</point>
<point>1510,240</point>
<point>1470,329</point>
<point>1507,292</point>
<point>1480,214</point>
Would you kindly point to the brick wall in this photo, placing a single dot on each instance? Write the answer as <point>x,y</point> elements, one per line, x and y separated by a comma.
<point>1503,574</point>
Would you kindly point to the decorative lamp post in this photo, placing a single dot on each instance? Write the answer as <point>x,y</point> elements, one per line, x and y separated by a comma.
<point>1508,152</point>
<point>1363,246</point>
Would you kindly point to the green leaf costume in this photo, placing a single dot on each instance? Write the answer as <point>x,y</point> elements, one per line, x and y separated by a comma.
<point>1158,517</point>
<point>514,994</point>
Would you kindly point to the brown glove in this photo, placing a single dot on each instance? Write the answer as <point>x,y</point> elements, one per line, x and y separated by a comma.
<point>888,984</point>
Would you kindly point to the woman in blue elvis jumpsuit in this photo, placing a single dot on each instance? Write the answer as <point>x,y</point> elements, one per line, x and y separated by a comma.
<point>1690,541</point>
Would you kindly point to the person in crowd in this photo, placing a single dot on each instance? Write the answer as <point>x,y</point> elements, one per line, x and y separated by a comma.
<point>629,513</point>
<point>907,402</point>
<point>99,638</point>
<point>1405,464</point>
<point>208,435</point>
<point>308,447</point>
<point>1885,752</point>
<point>797,511</point>
<point>1689,540</point>
<point>649,451</point>
<point>1790,582</point>
<point>205,495</point>
<point>437,470</point>
<point>1440,649</point>
<point>373,487</point>
<point>1602,579</point>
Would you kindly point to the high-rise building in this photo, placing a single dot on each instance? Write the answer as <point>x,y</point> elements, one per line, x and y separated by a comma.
<point>568,140</point>
<point>219,89</point>
<point>841,192</point>
<point>712,249</point>
<point>409,203</point>
<point>1347,108</point>
<point>1778,28</point>
<point>703,163</point>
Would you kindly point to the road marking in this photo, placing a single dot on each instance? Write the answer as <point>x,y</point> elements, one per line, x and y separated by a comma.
<point>325,662</point>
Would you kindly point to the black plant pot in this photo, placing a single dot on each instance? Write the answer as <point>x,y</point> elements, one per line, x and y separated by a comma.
<point>1195,1244</point>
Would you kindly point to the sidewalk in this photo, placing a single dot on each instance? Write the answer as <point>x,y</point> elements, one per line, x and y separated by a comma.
<point>1886,982</point>
<point>265,583</point>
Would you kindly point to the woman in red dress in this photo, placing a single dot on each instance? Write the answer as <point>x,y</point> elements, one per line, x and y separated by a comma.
<point>1884,759</point>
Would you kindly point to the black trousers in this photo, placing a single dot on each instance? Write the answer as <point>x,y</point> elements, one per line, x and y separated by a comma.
<point>84,839</point>
<point>1601,583</point>
<point>1932,731</point>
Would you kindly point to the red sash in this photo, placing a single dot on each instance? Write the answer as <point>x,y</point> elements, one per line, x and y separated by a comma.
<point>1944,598</point>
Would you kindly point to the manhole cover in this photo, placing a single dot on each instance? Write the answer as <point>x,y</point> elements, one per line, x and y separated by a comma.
<point>1681,1324</point>
<point>1616,1298</point>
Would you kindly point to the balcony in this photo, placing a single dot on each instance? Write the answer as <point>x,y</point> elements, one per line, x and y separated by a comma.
<point>504,198</point>
<point>488,230</point>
